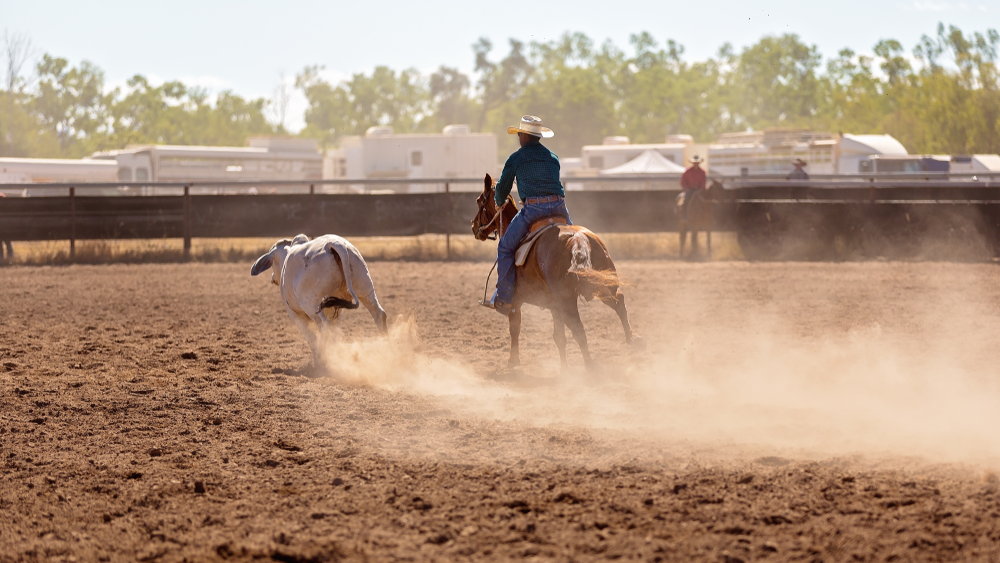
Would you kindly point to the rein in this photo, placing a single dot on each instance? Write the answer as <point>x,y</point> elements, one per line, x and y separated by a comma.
<point>483,228</point>
<point>493,220</point>
<point>486,288</point>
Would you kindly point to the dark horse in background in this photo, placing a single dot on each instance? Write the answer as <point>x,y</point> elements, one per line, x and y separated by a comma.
<point>698,216</point>
<point>567,262</point>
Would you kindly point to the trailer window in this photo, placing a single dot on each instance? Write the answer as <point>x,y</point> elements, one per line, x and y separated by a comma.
<point>596,162</point>
<point>124,174</point>
<point>416,158</point>
<point>141,174</point>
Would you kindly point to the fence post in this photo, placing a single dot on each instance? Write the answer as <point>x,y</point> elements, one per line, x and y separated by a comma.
<point>447,229</point>
<point>313,213</point>
<point>72,222</point>
<point>187,222</point>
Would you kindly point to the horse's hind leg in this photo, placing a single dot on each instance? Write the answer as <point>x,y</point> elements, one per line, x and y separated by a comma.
<point>572,317</point>
<point>708,237</point>
<point>515,334</point>
<point>559,335</point>
<point>683,234</point>
<point>618,304</point>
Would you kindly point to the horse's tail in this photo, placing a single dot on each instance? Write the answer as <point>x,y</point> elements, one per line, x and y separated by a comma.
<point>592,283</point>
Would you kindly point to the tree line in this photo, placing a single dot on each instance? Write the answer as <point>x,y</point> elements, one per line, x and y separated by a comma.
<point>945,98</point>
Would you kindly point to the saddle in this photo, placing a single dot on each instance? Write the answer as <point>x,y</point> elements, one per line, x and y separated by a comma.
<point>536,230</point>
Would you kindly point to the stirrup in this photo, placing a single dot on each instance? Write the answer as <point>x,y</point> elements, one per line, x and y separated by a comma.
<point>504,308</point>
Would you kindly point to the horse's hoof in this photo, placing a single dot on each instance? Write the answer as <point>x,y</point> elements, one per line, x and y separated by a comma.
<point>512,363</point>
<point>638,344</point>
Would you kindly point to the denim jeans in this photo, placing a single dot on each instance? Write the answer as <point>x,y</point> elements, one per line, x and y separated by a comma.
<point>517,230</point>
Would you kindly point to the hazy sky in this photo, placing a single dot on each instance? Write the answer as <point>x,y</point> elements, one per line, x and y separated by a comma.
<point>246,45</point>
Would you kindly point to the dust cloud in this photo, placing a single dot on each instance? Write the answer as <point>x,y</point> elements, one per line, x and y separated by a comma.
<point>766,381</point>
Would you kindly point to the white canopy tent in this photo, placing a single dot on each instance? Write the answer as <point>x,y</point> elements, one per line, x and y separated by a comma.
<point>649,162</point>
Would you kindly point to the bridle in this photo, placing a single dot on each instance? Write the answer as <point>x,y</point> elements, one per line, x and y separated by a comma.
<point>493,235</point>
<point>483,202</point>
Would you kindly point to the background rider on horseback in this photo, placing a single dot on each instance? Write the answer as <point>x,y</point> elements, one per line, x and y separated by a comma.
<point>692,180</point>
<point>536,170</point>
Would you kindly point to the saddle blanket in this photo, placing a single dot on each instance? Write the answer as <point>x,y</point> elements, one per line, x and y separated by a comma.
<point>537,228</point>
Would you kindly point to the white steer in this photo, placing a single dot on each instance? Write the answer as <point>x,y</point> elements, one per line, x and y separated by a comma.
<point>323,273</point>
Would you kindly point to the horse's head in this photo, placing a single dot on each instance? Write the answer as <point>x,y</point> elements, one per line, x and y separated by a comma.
<point>486,220</point>
<point>716,191</point>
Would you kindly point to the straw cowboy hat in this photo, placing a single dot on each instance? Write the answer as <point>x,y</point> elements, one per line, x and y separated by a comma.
<point>799,161</point>
<point>532,125</point>
<point>696,159</point>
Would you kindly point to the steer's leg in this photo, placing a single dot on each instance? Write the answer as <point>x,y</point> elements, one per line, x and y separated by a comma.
<point>306,326</point>
<point>378,313</point>
<point>365,290</point>
<point>323,327</point>
<point>559,335</point>
<point>515,333</point>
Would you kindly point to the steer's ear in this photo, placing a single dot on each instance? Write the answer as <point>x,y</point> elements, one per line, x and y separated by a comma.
<point>262,264</point>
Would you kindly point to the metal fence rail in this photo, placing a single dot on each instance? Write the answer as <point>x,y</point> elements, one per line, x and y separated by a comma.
<point>77,216</point>
<point>751,206</point>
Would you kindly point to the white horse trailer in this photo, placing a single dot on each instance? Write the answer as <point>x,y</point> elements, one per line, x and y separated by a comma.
<point>267,158</point>
<point>772,151</point>
<point>38,170</point>
<point>456,152</point>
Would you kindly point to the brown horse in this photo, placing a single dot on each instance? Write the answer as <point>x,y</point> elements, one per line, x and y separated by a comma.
<point>697,217</point>
<point>566,262</point>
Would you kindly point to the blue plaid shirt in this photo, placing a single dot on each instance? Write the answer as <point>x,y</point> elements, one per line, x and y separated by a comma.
<point>537,171</point>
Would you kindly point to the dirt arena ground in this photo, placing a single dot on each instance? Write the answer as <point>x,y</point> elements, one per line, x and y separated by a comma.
<point>783,411</point>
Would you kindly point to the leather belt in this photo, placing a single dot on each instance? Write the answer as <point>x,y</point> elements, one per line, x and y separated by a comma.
<point>546,199</point>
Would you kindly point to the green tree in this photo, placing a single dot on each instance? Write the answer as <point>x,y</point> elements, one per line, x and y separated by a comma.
<point>499,82</point>
<point>70,103</point>
<point>383,98</point>
<point>774,84</point>
<point>660,94</point>
<point>173,113</point>
<point>451,99</point>
<point>568,92</point>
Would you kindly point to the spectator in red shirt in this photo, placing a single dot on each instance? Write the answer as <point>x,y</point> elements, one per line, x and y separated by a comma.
<point>692,180</point>
<point>694,177</point>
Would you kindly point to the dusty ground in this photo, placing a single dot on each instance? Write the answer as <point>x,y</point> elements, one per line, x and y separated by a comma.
<point>834,412</point>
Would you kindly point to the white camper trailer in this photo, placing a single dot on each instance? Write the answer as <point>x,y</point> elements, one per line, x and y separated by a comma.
<point>772,151</point>
<point>37,170</point>
<point>267,158</point>
<point>456,152</point>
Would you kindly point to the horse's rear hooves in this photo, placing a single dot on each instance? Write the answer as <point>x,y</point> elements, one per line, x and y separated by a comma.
<point>638,344</point>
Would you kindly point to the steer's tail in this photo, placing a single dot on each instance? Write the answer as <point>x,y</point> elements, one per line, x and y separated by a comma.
<point>343,256</point>
<point>592,283</point>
